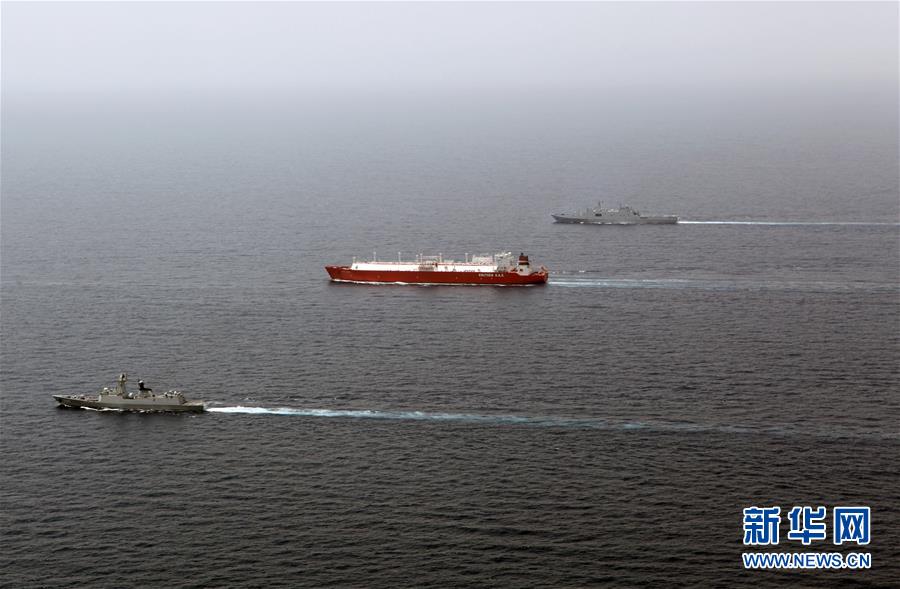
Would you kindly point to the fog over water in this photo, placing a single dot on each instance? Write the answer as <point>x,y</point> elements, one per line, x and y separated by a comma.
<point>175,176</point>
<point>328,50</point>
<point>688,89</point>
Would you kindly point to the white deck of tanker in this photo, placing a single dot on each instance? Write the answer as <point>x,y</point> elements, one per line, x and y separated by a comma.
<point>502,262</point>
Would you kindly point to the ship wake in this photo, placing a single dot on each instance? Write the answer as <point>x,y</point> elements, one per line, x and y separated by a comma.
<point>375,414</point>
<point>570,281</point>
<point>587,423</point>
<point>792,223</point>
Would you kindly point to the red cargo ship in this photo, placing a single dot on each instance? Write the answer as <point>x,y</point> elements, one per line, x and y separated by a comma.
<point>498,269</point>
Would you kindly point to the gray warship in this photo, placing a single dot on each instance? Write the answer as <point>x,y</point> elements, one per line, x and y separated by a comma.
<point>121,400</point>
<point>621,216</point>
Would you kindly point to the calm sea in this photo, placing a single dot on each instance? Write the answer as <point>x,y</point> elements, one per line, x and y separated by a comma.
<point>605,429</point>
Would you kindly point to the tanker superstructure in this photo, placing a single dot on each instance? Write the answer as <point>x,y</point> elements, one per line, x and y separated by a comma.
<point>502,269</point>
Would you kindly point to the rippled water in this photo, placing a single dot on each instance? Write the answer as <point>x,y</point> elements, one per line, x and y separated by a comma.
<point>604,429</point>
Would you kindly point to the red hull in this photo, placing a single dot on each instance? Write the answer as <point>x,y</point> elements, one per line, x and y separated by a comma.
<point>346,274</point>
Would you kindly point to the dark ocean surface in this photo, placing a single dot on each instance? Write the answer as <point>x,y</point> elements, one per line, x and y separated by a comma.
<point>606,429</point>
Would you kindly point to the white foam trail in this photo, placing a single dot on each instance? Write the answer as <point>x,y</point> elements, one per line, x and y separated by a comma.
<point>629,283</point>
<point>722,285</point>
<point>789,223</point>
<point>548,421</point>
<point>371,414</point>
<point>427,416</point>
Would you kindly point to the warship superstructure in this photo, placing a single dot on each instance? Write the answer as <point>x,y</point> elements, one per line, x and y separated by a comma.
<point>624,215</point>
<point>120,399</point>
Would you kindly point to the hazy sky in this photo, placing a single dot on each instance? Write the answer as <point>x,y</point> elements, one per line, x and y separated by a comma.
<point>169,51</point>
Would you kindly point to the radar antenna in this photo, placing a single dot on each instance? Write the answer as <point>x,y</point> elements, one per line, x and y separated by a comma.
<point>120,384</point>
